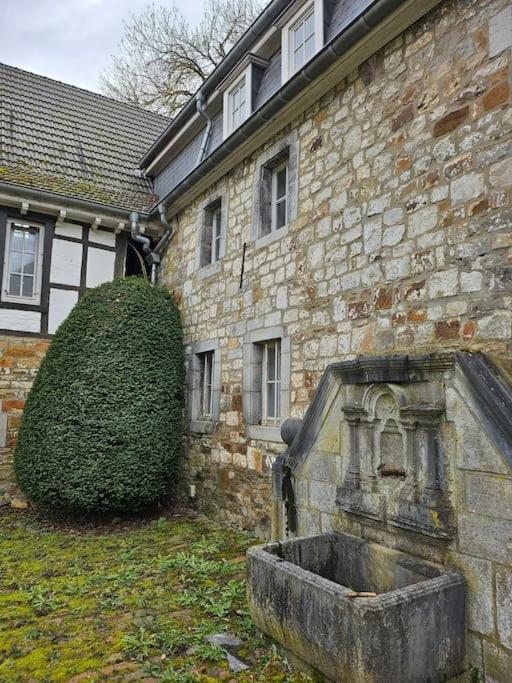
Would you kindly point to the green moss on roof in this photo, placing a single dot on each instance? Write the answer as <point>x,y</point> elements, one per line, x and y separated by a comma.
<point>62,139</point>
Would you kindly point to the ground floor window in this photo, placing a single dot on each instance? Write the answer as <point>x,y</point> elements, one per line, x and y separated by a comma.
<point>206,363</point>
<point>23,263</point>
<point>271,382</point>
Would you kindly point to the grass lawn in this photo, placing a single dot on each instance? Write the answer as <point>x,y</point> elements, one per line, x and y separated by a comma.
<point>126,602</point>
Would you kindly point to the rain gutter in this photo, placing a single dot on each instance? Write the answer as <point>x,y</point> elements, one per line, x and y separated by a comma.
<point>338,46</point>
<point>257,29</point>
<point>33,194</point>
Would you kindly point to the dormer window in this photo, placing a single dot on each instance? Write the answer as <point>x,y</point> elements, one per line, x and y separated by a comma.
<point>239,90</point>
<point>302,26</point>
<point>302,40</point>
<point>237,104</point>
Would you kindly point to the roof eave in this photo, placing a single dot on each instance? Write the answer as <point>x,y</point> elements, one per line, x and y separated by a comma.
<point>54,203</point>
<point>379,24</point>
<point>237,52</point>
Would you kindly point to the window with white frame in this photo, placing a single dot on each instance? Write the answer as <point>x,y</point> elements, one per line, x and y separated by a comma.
<point>266,382</point>
<point>212,233</point>
<point>203,397</point>
<point>302,40</point>
<point>23,263</point>
<point>302,35</point>
<point>206,368</point>
<point>279,192</point>
<point>274,194</point>
<point>271,382</point>
<point>237,104</point>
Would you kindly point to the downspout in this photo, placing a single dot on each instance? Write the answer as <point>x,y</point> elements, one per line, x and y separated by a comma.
<point>151,256</point>
<point>208,130</point>
<point>163,241</point>
<point>145,241</point>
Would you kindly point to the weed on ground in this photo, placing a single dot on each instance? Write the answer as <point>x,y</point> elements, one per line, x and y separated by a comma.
<point>126,602</point>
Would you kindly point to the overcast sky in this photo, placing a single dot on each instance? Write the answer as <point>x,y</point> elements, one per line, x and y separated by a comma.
<point>70,40</point>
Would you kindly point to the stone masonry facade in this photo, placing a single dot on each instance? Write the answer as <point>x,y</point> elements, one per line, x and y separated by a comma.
<point>402,239</point>
<point>20,358</point>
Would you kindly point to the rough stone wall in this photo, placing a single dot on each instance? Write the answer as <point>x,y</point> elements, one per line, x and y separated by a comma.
<point>20,358</point>
<point>402,241</point>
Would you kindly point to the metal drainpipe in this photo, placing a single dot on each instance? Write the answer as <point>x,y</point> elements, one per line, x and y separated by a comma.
<point>145,241</point>
<point>152,256</point>
<point>207,132</point>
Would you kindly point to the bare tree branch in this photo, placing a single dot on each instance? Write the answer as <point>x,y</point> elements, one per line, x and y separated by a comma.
<point>163,60</point>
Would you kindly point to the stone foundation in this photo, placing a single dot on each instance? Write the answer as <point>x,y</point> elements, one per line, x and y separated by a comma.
<point>20,358</point>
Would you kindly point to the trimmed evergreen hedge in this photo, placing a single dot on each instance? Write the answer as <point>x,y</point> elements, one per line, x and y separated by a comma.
<point>103,424</point>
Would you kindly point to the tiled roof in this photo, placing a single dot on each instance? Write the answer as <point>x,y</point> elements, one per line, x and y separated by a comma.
<point>73,142</point>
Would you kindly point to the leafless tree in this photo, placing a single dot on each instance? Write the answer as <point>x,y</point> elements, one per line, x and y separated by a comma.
<point>162,59</point>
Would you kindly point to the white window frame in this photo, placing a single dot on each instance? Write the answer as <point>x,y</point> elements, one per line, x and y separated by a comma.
<point>237,109</point>
<point>203,406</point>
<point>258,424</point>
<point>207,366</point>
<point>298,13</point>
<point>216,234</point>
<point>244,78</point>
<point>271,415</point>
<point>35,299</point>
<point>213,217</point>
<point>275,200</point>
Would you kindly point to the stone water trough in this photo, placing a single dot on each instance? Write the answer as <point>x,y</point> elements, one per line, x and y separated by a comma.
<point>301,593</point>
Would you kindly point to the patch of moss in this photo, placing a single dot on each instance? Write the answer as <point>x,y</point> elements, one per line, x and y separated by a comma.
<point>135,600</point>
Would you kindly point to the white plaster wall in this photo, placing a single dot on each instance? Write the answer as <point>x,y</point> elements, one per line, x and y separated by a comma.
<point>100,266</point>
<point>69,230</point>
<point>66,263</point>
<point>20,321</point>
<point>61,303</point>
<point>108,239</point>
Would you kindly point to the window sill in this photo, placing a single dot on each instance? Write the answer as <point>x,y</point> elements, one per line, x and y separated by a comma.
<point>202,426</point>
<point>264,433</point>
<point>21,301</point>
<point>209,270</point>
<point>265,240</point>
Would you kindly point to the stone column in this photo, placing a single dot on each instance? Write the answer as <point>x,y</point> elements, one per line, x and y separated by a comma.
<point>353,415</point>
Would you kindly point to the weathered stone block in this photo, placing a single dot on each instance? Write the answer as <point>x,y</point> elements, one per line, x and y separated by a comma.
<point>500,32</point>
<point>498,663</point>
<point>300,594</point>
<point>443,283</point>
<point>467,187</point>
<point>450,121</point>
<point>488,494</point>
<point>500,174</point>
<point>497,96</point>
<point>447,329</point>
<point>479,584</point>
<point>496,326</point>
<point>322,495</point>
<point>504,605</point>
<point>485,537</point>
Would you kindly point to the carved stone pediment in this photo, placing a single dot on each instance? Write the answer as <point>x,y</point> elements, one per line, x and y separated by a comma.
<point>394,471</point>
<point>386,441</point>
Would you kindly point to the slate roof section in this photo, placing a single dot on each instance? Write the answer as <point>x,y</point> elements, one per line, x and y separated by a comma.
<point>73,142</point>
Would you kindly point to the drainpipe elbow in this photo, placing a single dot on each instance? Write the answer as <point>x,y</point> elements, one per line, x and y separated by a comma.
<point>134,228</point>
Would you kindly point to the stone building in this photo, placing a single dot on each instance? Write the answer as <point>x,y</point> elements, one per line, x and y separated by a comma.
<point>339,195</point>
<point>340,191</point>
<point>68,182</point>
<point>395,144</point>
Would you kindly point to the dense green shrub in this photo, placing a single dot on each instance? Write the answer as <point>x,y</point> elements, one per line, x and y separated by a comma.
<point>103,424</point>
